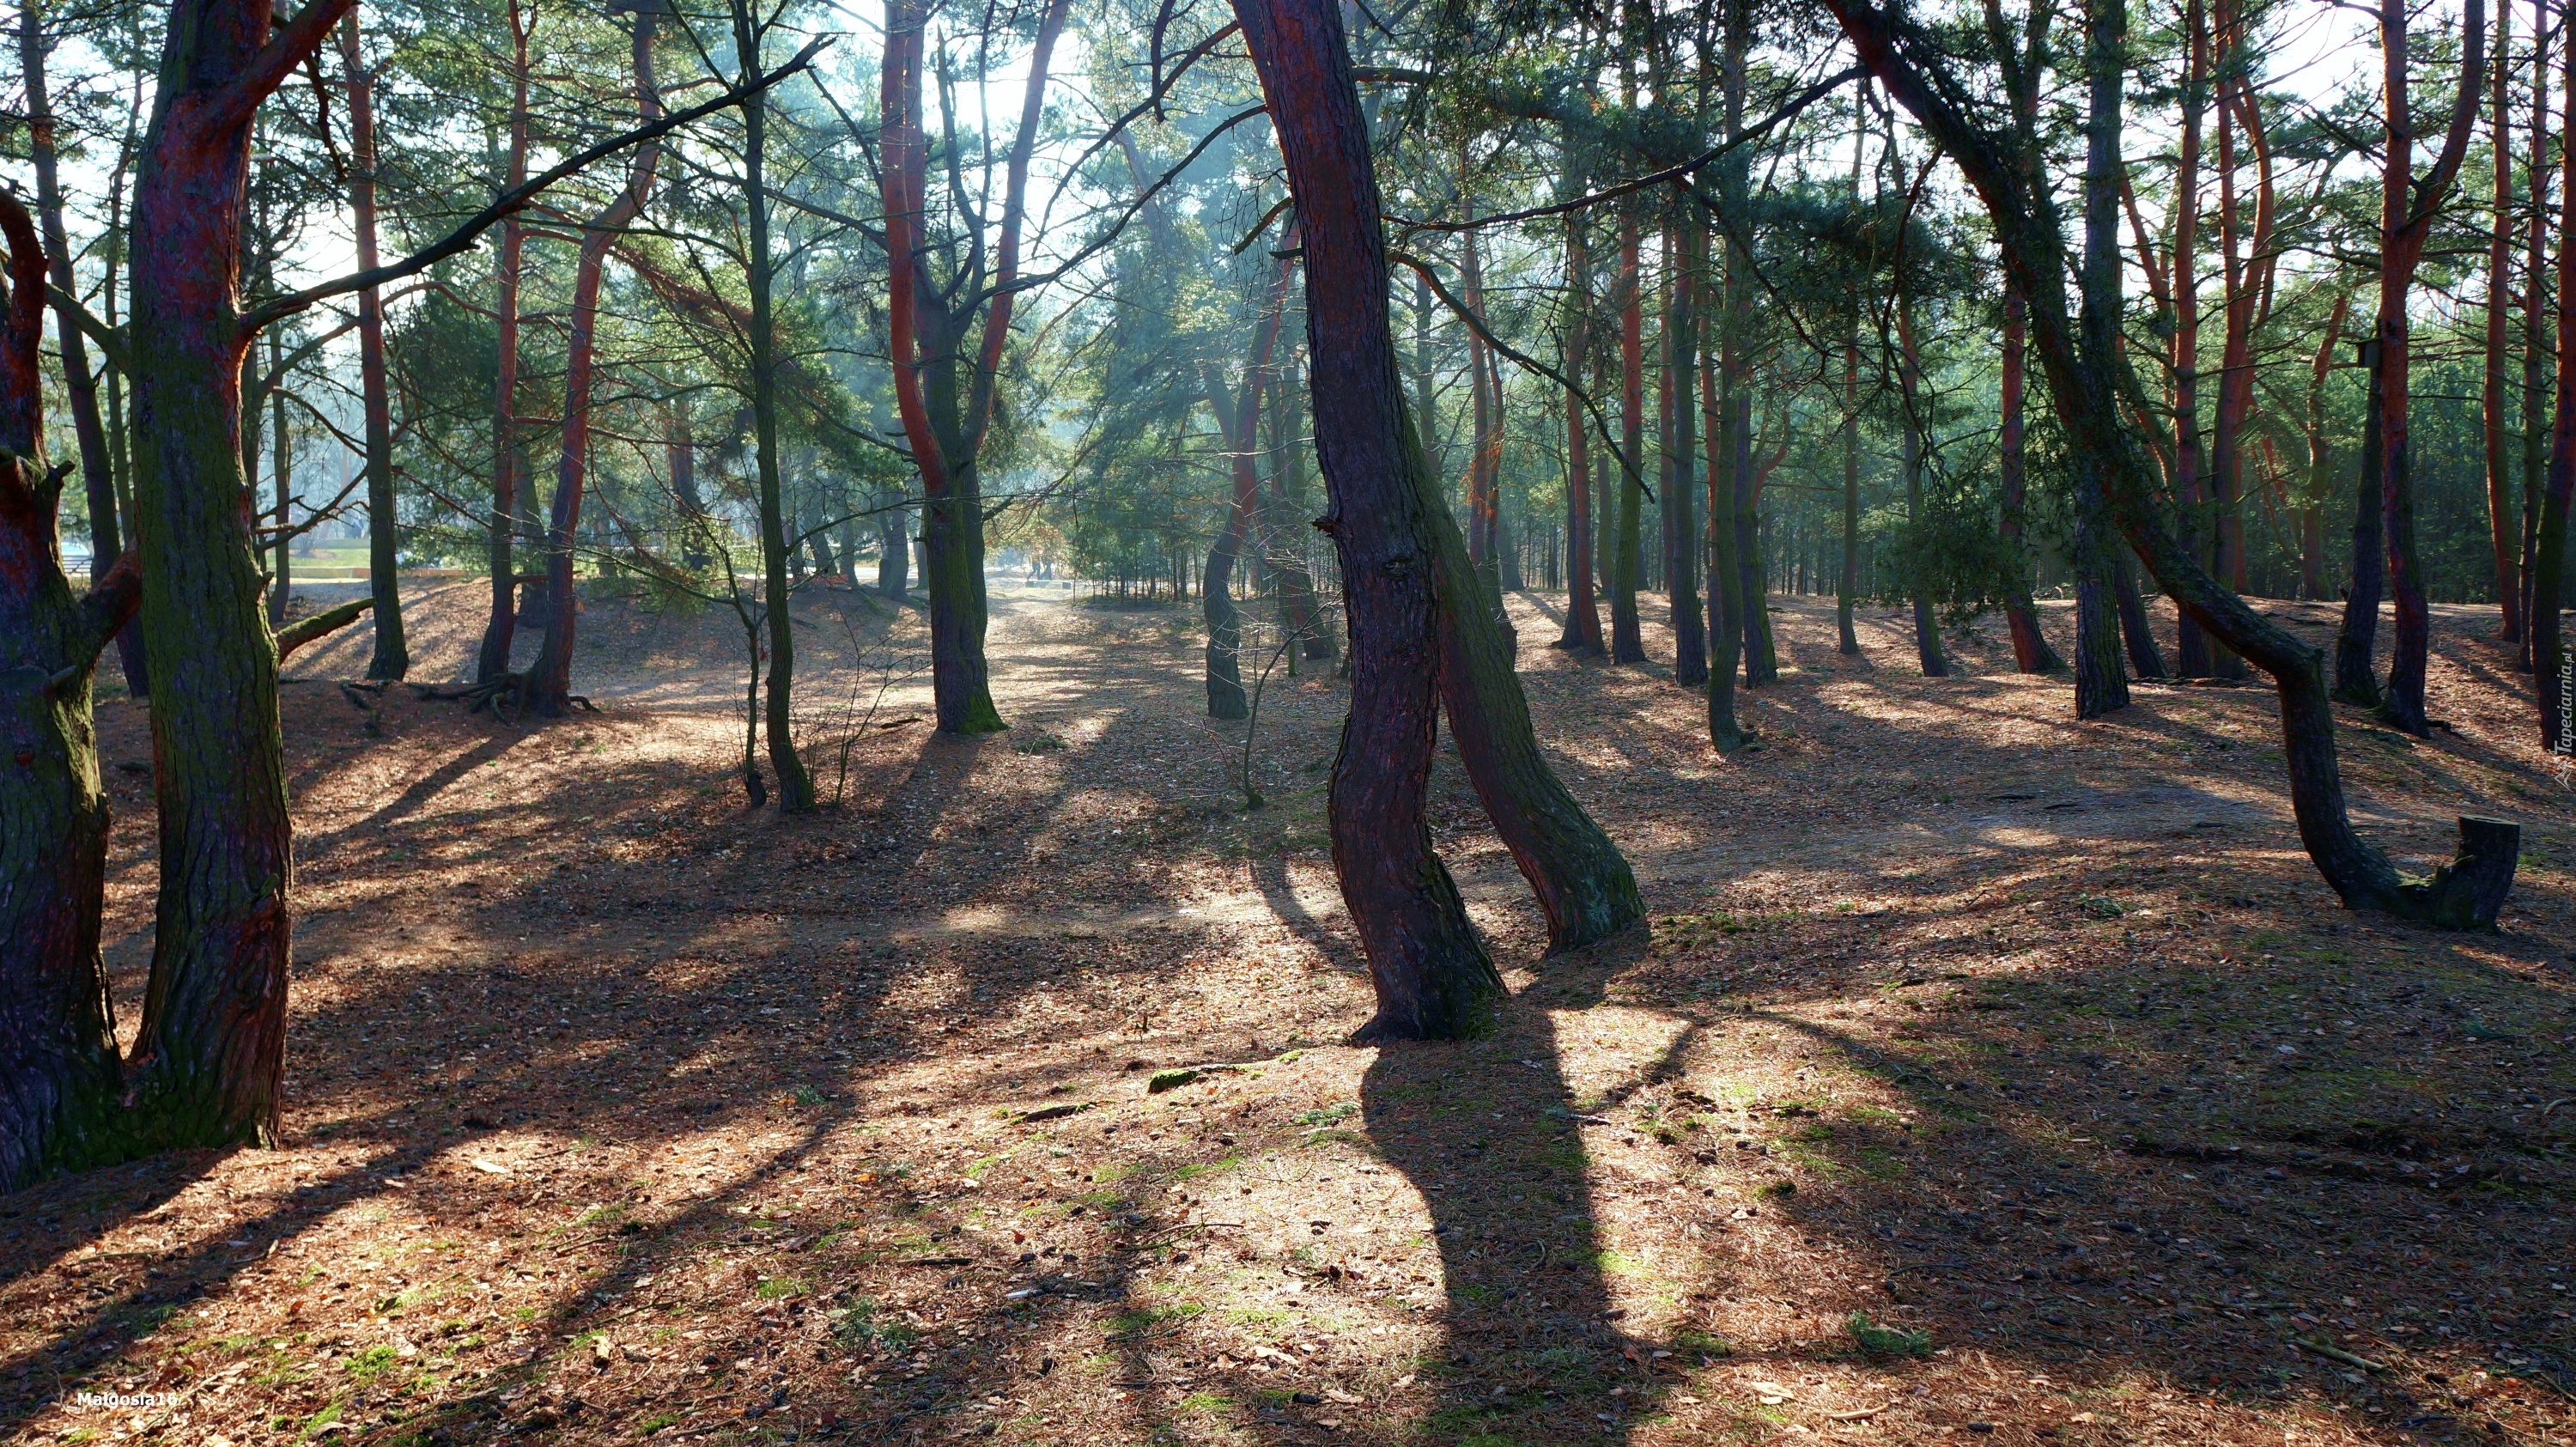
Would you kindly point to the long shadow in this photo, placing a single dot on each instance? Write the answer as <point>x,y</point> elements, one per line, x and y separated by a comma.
<point>1490,1134</point>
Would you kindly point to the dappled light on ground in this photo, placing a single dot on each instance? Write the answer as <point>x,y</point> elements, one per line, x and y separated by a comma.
<point>1982,1076</point>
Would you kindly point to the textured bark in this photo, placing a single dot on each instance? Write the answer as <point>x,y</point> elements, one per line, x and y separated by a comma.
<point>2101,687</point>
<point>391,658</point>
<point>777,545</point>
<point>2492,403</point>
<point>1582,610</point>
<point>1847,578</point>
<point>1627,640</point>
<point>2031,653</point>
<point>501,529</point>
<point>1430,970</point>
<point>59,1073</point>
<point>549,685</point>
<point>945,415</point>
<point>2191,647</point>
<point>2409,225</point>
<point>2537,351</point>
<point>1681,531</point>
<point>1301,611</point>
<point>2086,378</point>
<point>2550,660</point>
<point>2245,267</point>
<point>1726,463</point>
<point>211,1048</point>
<point>2407,209</point>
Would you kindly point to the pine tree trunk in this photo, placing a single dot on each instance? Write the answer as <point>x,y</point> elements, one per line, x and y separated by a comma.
<point>2031,653</point>
<point>211,1048</point>
<point>549,686</point>
<point>59,1073</point>
<point>1681,532</point>
<point>2191,647</point>
<point>2500,519</point>
<point>1582,634</point>
<point>2537,352</point>
<point>501,529</point>
<point>391,657</point>
<point>795,784</point>
<point>1627,640</point>
<point>1432,976</point>
<point>2463,895</point>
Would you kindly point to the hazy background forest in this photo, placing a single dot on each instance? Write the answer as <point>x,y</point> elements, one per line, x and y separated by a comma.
<point>1421,723</point>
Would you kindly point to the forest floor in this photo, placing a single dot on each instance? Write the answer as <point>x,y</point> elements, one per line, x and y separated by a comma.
<point>1983,1076</point>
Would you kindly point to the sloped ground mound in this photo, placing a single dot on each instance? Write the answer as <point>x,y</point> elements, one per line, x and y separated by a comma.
<point>1983,1076</point>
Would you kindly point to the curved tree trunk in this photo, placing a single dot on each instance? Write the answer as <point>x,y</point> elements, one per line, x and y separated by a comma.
<point>549,686</point>
<point>2031,653</point>
<point>2083,382</point>
<point>1431,972</point>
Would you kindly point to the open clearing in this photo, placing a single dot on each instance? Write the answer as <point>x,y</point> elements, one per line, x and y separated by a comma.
<point>1984,1076</point>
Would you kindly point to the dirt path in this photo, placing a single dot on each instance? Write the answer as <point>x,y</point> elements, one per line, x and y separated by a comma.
<point>620,1114</point>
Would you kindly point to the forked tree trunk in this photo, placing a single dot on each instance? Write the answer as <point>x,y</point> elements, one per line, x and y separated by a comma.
<point>211,1049</point>
<point>2465,894</point>
<point>549,686</point>
<point>2245,266</point>
<point>2408,224</point>
<point>59,1073</point>
<point>391,658</point>
<point>944,416</point>
<point>1431,972</point>
<point>501,530</point>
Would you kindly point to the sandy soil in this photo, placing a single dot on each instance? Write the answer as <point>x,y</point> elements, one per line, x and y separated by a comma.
<point>1983,1076</point>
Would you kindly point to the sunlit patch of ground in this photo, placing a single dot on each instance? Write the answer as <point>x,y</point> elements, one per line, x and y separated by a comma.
<point>1982,1076</point>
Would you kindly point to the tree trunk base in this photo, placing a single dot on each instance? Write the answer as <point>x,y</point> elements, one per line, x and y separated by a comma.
<point>2468,892</point>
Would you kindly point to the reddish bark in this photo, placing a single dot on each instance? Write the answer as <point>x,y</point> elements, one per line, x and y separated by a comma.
<point>549,685</point>
<point>211,1048</point>
<point>2246,270</point>
<point>501,533</point>
<point>2536,350</point>
<point>1431,972</point>
<point>2408,207</point>
<point>2500,524</point>
<point>2081,369</point>
<point>927,340</point>
<point>58,1066</point>
<point>2550,661</point>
